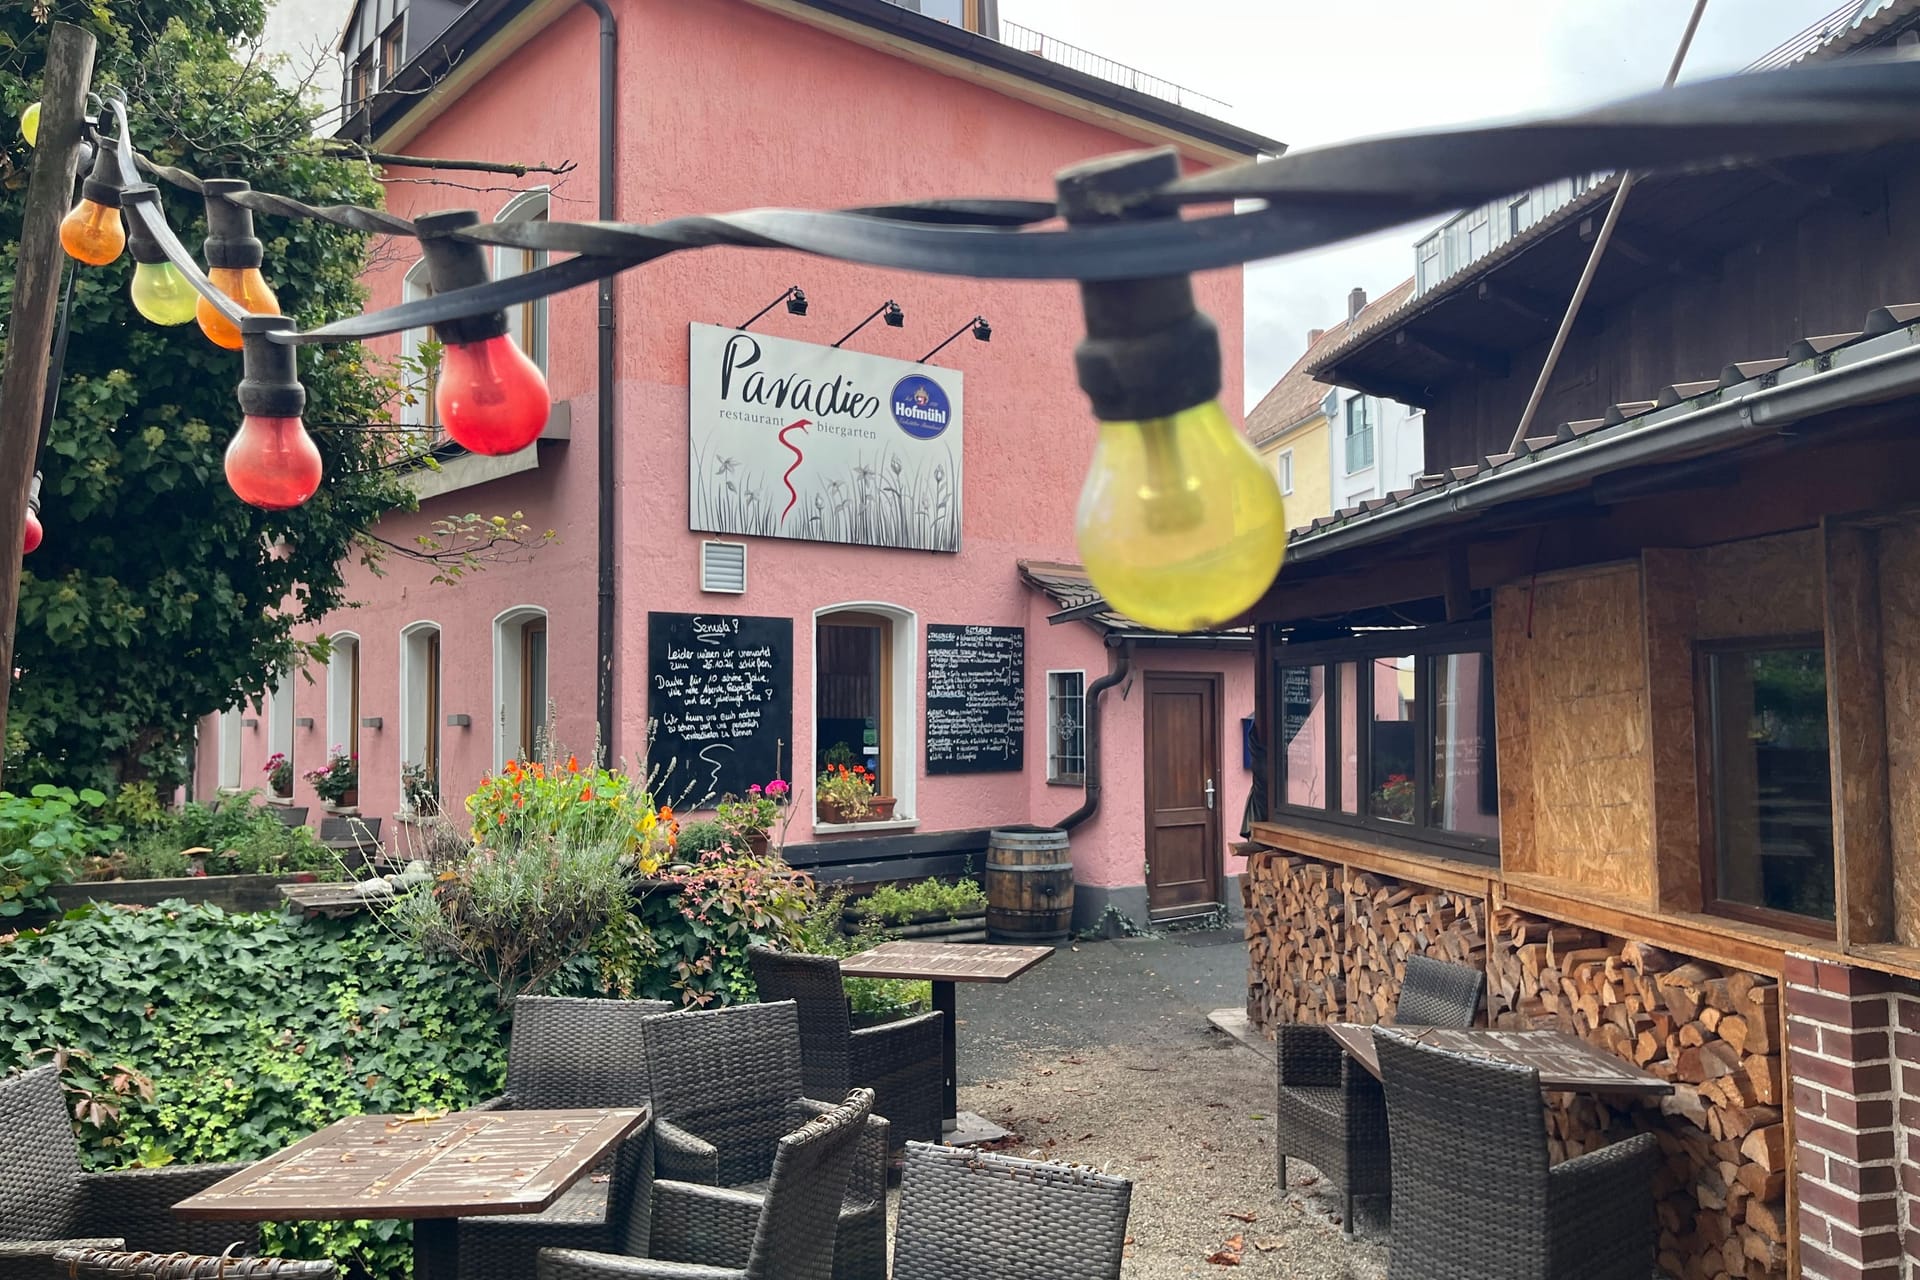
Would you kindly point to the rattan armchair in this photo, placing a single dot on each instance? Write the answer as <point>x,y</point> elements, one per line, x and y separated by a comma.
<point>726,1088</point>
<point>786,1232</point>
<point>119,1264</point>
<point>566,1052</point>
<point>1330,1112</point>
<point>900,1061</point>
<point>47,1203</point>
<point>969,1215</point>
<point>1473,1191</point>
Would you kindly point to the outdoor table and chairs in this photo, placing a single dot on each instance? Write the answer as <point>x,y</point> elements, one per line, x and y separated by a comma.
<point>432,1169</point>
<point>944,964</point>
<point>1565,1063</point>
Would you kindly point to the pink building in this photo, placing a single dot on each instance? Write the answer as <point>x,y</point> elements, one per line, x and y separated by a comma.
<point>778,590</point>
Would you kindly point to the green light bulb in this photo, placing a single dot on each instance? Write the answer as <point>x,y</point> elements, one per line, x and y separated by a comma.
<point>1180,527</point>
<point>162,294</point>
<point>30,124</point>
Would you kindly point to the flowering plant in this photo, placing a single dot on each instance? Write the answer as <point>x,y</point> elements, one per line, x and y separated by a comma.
<point>341,775</point>
<point>1393,799</point>
<point>756,813</point>
<point>848,788</point>
<point>279,771</point>
<point>575,805</point>
<point>420,788</point>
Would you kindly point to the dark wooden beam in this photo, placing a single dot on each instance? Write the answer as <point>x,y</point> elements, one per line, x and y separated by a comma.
<point>1492,364</point>
<point>1374,384</point>
<point>1523,302</point>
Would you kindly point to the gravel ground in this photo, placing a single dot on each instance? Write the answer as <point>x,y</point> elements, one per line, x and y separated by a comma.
<point>1102,1056</point>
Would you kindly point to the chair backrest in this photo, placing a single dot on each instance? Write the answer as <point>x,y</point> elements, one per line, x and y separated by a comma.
<point>120,1264</point>
<point>39,1162</point>
<point>727,1075</point>
<point>350,831</point>
<point>567,1052</point>
<point>1438,994</point>
<point>813,984</point>
<point>1470,1158</point>
<point>289,815</point>
<point>801,1215</point>
<point>993,1217</point>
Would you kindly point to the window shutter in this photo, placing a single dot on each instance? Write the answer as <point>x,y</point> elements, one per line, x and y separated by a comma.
<point>723,567</point>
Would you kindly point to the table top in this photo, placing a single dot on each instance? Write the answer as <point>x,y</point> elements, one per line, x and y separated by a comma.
<point>1566,1063</point>
<point>944,961</point>
<point>453,1165</point>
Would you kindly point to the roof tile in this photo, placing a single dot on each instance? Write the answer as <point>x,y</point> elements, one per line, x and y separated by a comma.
<point>1619,413</point>
<point>1747,370</point>
<point>1895,315</point>
<point>1809,348</point>
<point>1679,391</point>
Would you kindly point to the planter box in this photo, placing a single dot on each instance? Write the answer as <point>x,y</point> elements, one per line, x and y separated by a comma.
<point>969,927</point>
<point>879,809</point>
<point>235,893</point>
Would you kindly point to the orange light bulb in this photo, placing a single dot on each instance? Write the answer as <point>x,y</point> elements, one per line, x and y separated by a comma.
<point>93,233</point>
<point>246,286</point>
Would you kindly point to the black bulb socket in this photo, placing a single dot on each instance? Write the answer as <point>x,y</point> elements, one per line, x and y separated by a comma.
<point>270,387</point>
<point>454,264</point>
<point>102,185</point>
<point>144,248</point>
<point>33,494</point>
<point>1149,352</point>
<point>230,239</point>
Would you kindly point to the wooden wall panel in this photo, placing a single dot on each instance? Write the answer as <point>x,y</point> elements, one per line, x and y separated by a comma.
<point>1759,587</point>
<point>1857,731</point>
<point>1668,596</point>
<point>1512,718</point>
<point>1900,647</point>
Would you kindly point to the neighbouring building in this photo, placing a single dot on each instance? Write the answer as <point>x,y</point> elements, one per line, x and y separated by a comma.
<point>780,594</point>
<point>1624,710</point>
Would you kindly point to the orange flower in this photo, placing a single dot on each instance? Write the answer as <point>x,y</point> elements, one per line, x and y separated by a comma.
<point>500,818</point>
<point>573,764</point>
<point>587,794</point>
<point>666,813</point>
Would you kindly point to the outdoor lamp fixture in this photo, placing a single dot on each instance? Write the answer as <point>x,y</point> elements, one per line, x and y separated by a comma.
<point>794,297</point>
<point>234,255</point>
<point>272,462</point>
<point>1179,525</point>
<point>92,231</point>
<point>159,291</point>
<point>490,397</point>
<point>982,332</point>
<point>35,533</point>
<point>890,309</point>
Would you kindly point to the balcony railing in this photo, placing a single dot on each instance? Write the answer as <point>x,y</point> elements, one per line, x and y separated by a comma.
<point>1042,45</point>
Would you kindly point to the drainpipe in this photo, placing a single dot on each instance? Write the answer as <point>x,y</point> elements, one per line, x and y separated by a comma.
<point>1117,669</point>
<point>604,436</point>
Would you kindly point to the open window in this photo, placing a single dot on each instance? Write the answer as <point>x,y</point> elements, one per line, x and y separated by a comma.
<point>343,693</point>
<point>521,694</point>
<point>864,696</point>
<point>420,700</point>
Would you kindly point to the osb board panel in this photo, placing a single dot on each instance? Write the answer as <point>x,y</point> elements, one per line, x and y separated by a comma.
<point>1667,594</point>
<point>1900,647</point>
<point>1574,657</point>
<point>1759,587</point>
<point>1513,742</point>
<point>1857,729</point>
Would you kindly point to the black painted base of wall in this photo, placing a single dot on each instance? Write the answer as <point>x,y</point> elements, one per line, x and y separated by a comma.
<point>1090,903</point>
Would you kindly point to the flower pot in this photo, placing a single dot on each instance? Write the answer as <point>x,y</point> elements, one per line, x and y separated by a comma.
<point>879,809</point>
<point>283,792</point>
<point>350,798</point>
<point>758,843</point>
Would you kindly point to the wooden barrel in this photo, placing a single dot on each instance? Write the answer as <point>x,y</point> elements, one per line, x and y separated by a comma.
<point>1029,885</point>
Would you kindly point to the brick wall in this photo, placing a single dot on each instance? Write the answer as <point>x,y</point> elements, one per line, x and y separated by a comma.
<point>1853,1039</point>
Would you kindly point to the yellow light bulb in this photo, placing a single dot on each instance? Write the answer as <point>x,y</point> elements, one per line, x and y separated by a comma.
<point>162,294</point>
<point>1180,527</point>
<point>246,286</point>
<point>93,233</point>
<point>30,124</point>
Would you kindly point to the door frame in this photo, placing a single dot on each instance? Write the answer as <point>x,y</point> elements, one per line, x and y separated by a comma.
<point>1216,868</point>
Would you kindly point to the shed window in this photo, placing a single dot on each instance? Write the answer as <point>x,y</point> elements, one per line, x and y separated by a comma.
<point>1768,788</point>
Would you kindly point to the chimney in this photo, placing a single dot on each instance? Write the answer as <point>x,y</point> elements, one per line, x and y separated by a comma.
<point>1356,303</point>
<point>1314,335</point>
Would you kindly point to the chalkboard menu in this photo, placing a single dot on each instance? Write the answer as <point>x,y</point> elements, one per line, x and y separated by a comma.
<point>1296,701</point>
<point>720,695</point>
<point>976,699</point>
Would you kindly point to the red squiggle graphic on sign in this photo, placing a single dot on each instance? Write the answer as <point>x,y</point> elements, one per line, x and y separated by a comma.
<point>798,457</point>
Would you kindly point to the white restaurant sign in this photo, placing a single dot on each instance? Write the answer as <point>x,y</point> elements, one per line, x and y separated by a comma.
<point>793,440</point>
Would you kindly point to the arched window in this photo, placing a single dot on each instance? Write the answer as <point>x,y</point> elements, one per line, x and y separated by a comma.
<point>417,381</point>
<point>420,700</point>
<point>343,693</point>
<point>230,749</point>
<point>528,321</point>
<point>520,692</point>
<point>863,694</point>
<point>280,717</point>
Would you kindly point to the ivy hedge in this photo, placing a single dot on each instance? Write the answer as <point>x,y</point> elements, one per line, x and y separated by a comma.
<point>192,1034</point>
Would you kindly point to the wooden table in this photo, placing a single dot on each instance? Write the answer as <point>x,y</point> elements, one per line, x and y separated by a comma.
<point>431,1170</point>
<point>1566,1063</point>
<point>944,964</point>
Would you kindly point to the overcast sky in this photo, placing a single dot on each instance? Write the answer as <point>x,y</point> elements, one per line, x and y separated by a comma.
<point>1314,73</point>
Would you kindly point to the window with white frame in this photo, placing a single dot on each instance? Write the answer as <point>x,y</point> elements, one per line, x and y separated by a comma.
<point>1519,213</point>
<point>1283,469</point>
<point>1359,434</point>
<point>1479,234</point>
<point>1428,253</point>
<point>231,745</point>
<point>1067,726</point>
<point>420,704</point>
<point>864,696</point>
<point>343,693</point>
<point>527,322</point>
<point>521,695</point>
<point>419,355</point>
<point>280,718</point>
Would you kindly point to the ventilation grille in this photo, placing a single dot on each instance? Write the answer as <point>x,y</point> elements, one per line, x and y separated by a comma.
<point>723,567</point>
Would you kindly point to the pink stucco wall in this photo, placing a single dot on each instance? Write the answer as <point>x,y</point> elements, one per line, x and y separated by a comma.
<point>725,105</point>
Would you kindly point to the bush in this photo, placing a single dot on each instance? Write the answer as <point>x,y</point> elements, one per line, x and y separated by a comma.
<point>692,941</point>
<point>44,835</point>
<point>893,905</point>
<point>190,1034</point>
<point>821,934</point>
<point>238,837</point>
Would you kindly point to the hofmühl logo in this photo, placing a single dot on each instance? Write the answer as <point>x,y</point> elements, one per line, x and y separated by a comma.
<point>920,407</point>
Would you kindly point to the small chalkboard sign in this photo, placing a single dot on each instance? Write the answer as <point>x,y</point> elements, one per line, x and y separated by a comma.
<point>720,695</point>
<point>976,699</point>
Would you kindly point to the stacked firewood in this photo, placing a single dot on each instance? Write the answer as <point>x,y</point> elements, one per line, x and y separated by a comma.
<point>1721,1188</point>
<point>1296,937</point>
<point>1387,921</point>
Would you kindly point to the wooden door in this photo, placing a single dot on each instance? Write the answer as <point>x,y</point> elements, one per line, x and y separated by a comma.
<point>1183,793</point>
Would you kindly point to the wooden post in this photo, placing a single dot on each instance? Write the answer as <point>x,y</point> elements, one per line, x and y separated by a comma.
<point>36,304</point>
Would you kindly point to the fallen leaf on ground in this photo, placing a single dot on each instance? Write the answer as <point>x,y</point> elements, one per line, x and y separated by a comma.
<point>1267,1244</point>
<point>1228,1254</point>
<point>1240,1217</point>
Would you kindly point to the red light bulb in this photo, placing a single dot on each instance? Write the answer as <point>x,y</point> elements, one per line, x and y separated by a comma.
<point>34,531</point>
<point>273,463</point>
<point>491,398</point>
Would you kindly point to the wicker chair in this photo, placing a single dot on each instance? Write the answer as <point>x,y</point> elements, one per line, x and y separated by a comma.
<point>1331,1112</point>
<point>118,1264</point>
<point>726,1087</point>
<point>968,1215</point>
<point>1473,1193</point>
<point>787,1232</point>
<point>572,1053</point>
<point>47,1203</point>
<point>900,1061</point>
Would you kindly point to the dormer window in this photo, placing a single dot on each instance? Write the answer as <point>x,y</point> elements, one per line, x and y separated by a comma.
<point>393,51</point>
<point>360,86</point>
